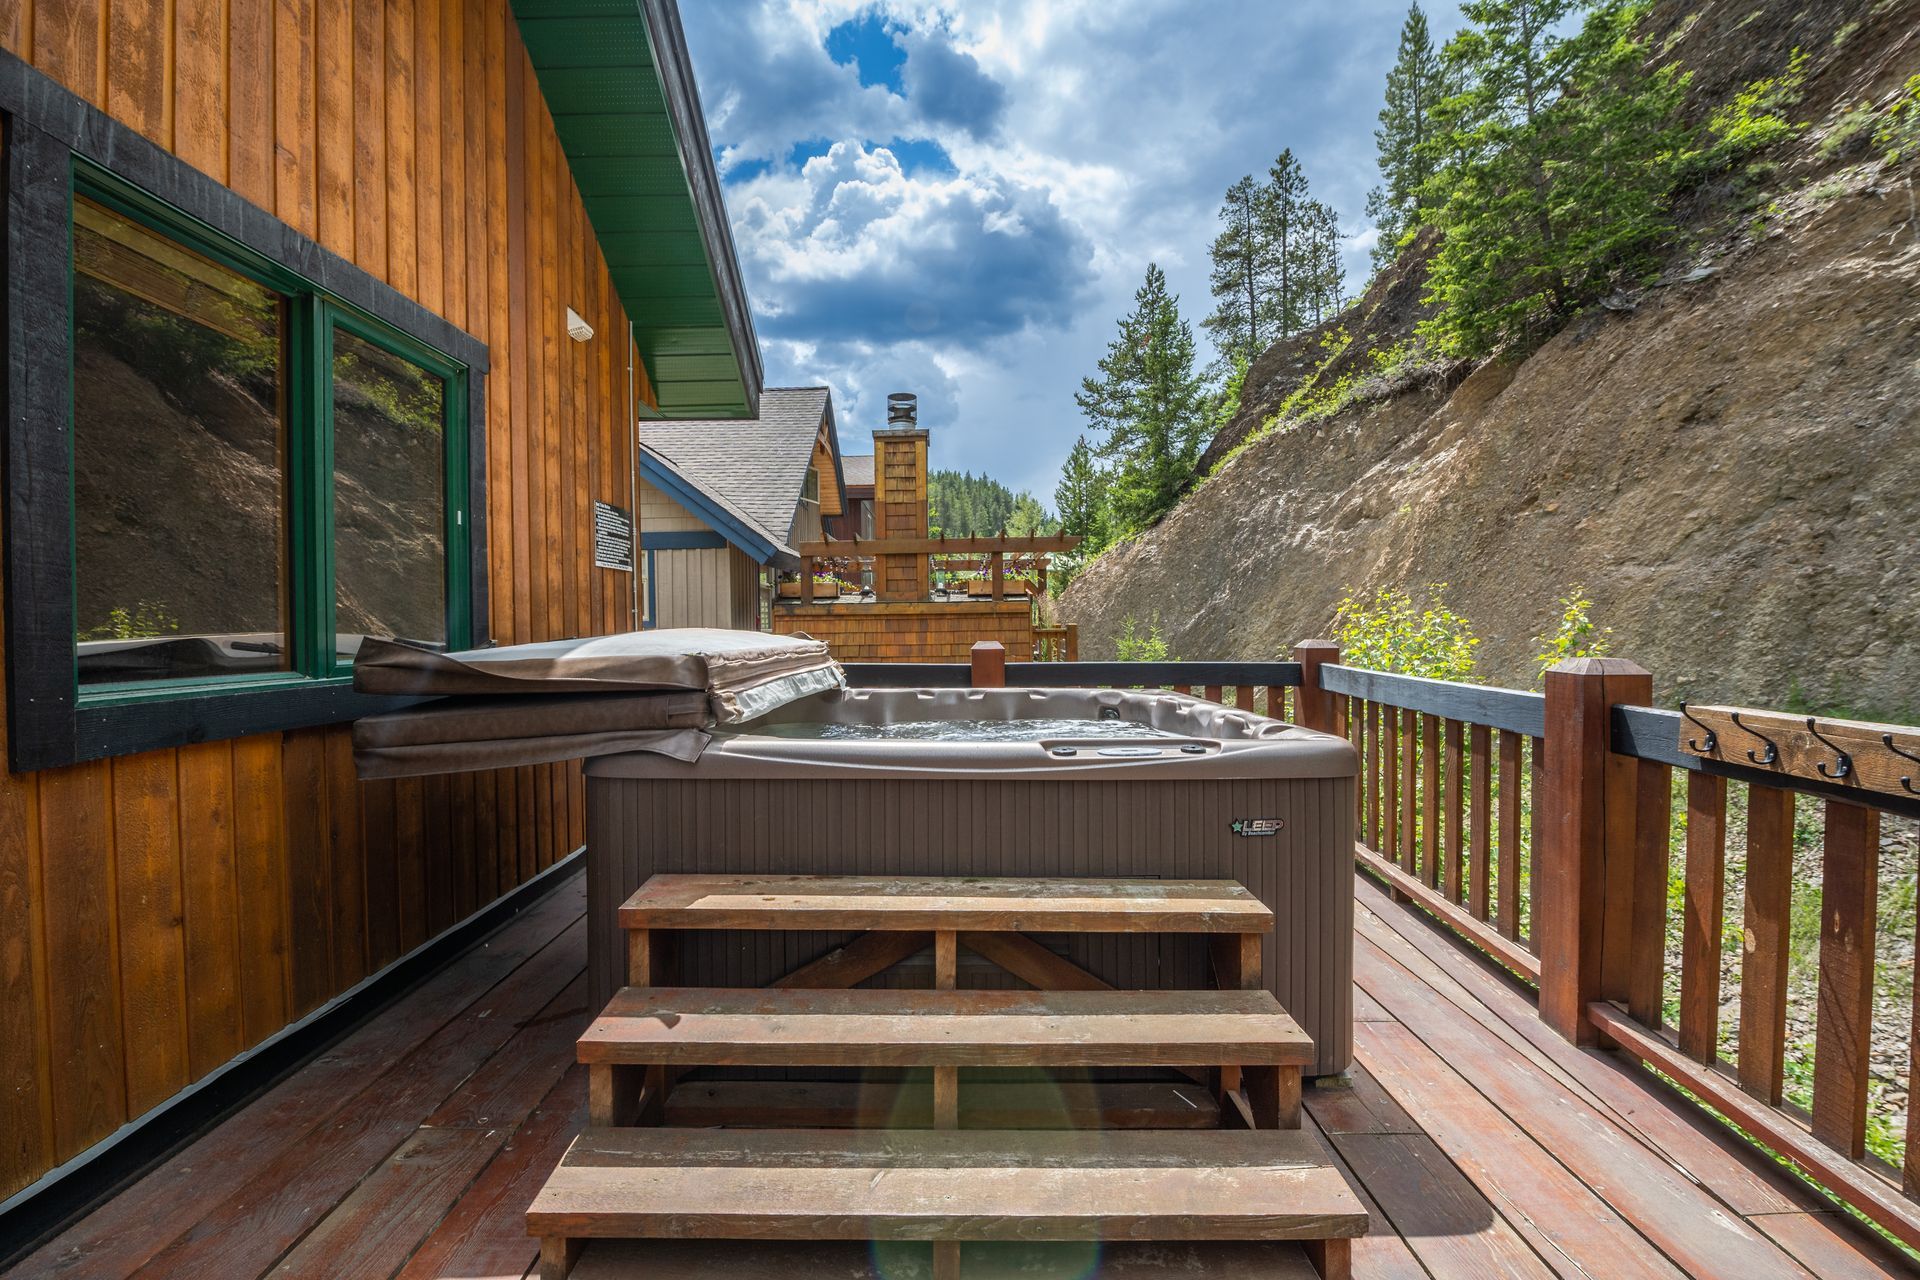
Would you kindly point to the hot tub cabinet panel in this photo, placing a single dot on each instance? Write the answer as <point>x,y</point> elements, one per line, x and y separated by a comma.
<point>1267,804</point>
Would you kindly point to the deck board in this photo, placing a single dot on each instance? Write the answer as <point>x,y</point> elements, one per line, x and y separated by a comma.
<point>1481,1144</point>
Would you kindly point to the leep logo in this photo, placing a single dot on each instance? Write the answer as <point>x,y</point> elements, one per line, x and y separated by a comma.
<point>1256,826</point>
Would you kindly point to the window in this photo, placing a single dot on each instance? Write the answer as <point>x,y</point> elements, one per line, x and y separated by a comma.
<point>232,455</point>
<point>810,487</point>
<point>227,526</point>
<point>179,460</point>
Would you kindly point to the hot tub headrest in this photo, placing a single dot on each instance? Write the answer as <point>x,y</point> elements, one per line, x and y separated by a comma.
<point>742,673</point>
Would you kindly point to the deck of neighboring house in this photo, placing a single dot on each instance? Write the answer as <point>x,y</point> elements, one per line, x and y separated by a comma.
<point>1485,1144</point>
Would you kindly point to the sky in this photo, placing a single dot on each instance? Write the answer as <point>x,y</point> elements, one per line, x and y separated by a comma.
<point>959,200</point>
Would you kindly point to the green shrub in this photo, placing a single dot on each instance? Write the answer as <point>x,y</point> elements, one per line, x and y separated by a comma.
<point>1756,118</point>
<point>1134,645</point>
<point>1899,132</point>
<point>1389,631</point>
<point>1574,637</point>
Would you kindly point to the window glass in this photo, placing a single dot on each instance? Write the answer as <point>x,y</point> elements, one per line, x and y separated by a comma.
<point>390,501</point>
<point>179,460</point>
<point>810,487</point>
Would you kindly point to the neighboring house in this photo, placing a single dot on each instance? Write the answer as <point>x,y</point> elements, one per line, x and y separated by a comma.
<point>723,502</point>
<point>857,521</point>
<point>325,320</point>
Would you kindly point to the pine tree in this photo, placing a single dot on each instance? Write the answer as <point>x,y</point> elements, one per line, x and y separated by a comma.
<point>1149,402</point>
<point>1081,496</point>
<point>1283,211</point>
<point>1324,272</point>
<point>1241,269</point>
<point>1408,125</point>
<point>1560,159</point>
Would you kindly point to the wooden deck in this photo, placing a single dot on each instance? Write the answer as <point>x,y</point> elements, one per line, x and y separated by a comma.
<point>1486,1145</point>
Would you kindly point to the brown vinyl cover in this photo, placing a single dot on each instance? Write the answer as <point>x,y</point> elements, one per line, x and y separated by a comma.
<point>710,659</point>
<point>462,735</point>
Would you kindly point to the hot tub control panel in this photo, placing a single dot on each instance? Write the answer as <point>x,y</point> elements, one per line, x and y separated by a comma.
<point>1131,750</point>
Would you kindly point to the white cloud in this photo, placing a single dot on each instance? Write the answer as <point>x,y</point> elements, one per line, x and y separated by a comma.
<point>1088,138</point>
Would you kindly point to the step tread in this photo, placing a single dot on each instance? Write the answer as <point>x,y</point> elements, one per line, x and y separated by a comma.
<point>856,1260</point>
<point>943,902</point>
<point>953,1185</point>
<point>984,1104</point>
<point>888,1027</point>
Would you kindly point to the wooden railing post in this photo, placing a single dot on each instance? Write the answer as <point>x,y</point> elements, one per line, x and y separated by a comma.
<point>1313,705</point>
<point>1073,642</point>
<point>989,659</point>
<point>1584,910</point>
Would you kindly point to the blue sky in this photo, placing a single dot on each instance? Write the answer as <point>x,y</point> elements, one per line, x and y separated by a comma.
<point>959,200</point>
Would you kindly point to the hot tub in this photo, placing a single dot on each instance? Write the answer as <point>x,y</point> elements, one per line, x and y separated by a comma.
<point>999,782</point>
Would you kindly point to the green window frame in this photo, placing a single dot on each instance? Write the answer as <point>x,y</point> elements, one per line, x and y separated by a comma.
<point>314,316</point>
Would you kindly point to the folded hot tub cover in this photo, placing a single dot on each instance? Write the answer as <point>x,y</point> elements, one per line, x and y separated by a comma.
<point>464,734</point>
<point>743,673</point>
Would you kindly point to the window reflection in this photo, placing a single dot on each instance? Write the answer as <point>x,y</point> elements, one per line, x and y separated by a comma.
<point>180,527</point>
<point>389,461</point>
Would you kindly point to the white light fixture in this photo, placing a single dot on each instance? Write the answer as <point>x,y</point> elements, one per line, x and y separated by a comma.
<point>577,327</point>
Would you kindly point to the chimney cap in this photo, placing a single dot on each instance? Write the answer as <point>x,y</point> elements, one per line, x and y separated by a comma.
<point>903,409</point>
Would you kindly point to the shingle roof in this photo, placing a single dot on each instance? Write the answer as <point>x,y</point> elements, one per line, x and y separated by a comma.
<point>752,468</point>
<point>858,468</point>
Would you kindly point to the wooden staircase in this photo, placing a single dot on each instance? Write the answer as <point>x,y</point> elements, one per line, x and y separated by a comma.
<point>1048,1189</point>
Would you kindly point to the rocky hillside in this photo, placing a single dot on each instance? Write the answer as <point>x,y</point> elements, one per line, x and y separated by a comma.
<point>1728,461</point>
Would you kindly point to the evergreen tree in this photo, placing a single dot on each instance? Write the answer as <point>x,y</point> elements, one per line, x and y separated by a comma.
<point>1560,157</point>
<point>1081,496</point>
<point>1242,267</point>
<point>1408,124</point>
<point>1284,213</point>
<point>1323,270</point>
<point>1149,402</point>
<point>963,505</point>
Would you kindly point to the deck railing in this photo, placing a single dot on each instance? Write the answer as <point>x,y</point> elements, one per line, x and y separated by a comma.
<point>1540,828</point>
<point>1449,775</point>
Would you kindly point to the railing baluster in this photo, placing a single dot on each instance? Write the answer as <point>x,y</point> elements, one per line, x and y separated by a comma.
<point>1763,974</point>
<point>1510,785</point>
<point>1372,755</point>
<point>1843,1037</point>
<point>1390,771</point>
<point>1409,728</point>
<point>1243,696</point>
<point>1455,803</point>
<point>1213,693</point>
<point>1535,846</point>
<point>1430,800</point>
<point>1705,916</point>
<point>1652,851</point>
<point>1480,753</point>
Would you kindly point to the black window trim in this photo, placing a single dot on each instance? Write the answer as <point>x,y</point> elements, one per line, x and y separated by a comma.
<point>45,128</point>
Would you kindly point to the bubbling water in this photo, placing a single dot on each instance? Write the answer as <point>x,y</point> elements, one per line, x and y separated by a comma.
<point>964,730</point>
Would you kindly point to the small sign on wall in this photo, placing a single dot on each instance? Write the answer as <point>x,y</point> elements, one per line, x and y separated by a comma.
<point>612,537</point>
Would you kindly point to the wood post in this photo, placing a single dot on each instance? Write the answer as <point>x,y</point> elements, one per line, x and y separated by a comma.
<point>989,664</point>
<point>1583,912</point>
<point>806,579</point>
<point>1314,705</point>
<point>1073,642</point>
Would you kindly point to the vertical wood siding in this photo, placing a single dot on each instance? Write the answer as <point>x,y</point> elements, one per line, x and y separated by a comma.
<point>160,913</point>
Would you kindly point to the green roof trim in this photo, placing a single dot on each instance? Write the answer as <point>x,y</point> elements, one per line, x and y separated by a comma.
<point>617,78</point>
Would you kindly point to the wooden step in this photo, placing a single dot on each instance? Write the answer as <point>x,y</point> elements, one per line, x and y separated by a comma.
<point>860,1027</point>
<point>985,1104</point>
<point>814,1184</point>
<point>852,1260</point>
<point>944,903</point>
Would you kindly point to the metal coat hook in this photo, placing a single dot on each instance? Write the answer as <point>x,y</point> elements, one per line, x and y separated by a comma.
<point>1843,763</point>
<point>1906,782</point>
<point>1773,751</point>
<point>1693,744</point>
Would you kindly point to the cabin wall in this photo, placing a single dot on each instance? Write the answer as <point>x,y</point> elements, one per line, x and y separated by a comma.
<point>702,588</point>
<point>160,913</point>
